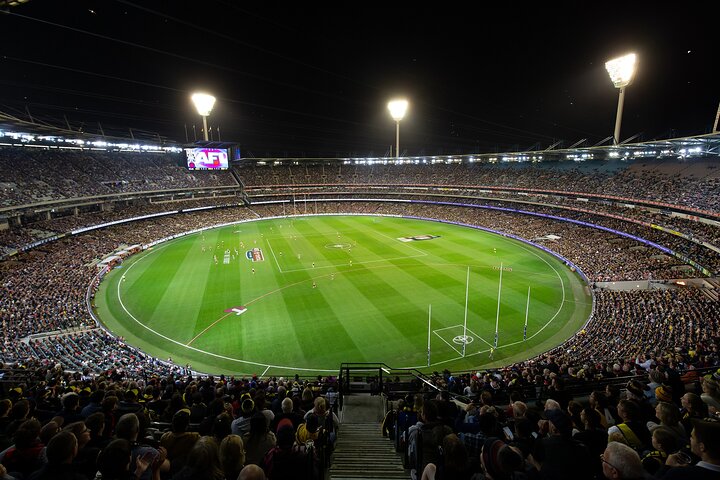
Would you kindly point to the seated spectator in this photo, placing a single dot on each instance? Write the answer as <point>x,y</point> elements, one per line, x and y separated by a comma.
<point>25,456</point>
<point>259,440</point>
<point>622,462</point>
<point>635,432</point>
<point>557,456</point>
<point>252,472</point>
<point>669,417</point>
<point>705,443</point>
<point>128,428</point>
<point>178,441</point>
<point>593,436</point>
<point>286,412</point>
<point>455,465</point>
<point>241,425</point>
<point>232,456</point>
<point>114,463</point>
<point>664,442</point>
<point>86,456</point>
<point>693,408</point>
<point>289,459</point>
<point>498,461</point>
<point>203,462</point>
<point>60,454</point>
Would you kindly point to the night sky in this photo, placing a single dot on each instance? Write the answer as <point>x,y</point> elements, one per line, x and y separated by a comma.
<point>314,80</point>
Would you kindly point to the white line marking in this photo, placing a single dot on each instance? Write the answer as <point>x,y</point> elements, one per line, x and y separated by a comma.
<point>273,254</point>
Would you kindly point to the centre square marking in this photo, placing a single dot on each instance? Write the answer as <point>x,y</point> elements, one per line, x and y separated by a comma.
<point>341,246</point>
<point>461,339</point>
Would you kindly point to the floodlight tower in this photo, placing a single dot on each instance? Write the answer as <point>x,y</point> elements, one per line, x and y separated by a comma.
<point>204,104</point>
<point>397,112</point>
<point>622,72</point>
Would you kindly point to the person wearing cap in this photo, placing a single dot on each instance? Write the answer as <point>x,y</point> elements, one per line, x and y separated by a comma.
<point>178,441</point>
<point>558,456</point>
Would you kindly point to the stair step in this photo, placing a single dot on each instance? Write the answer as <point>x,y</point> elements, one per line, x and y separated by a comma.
<point>361,452</point>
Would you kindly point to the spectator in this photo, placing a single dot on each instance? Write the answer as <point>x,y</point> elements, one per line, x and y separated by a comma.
<point>622,462</point>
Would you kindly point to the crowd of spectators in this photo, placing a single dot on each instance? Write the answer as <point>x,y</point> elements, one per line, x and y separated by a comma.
<point>658,425</point>
<point>655,333</point>
<point>694,183</point>
<point>33,175</point>
<point>62,425</point>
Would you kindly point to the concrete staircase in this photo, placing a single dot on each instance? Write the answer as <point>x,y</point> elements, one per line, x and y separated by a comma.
<point>361,452</point>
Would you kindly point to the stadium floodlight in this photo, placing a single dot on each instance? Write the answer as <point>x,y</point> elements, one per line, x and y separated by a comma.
<point>204,104</point>
<point>397,112</point>
<point>622,72</point>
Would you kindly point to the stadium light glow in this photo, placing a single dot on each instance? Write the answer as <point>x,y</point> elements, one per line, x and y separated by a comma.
<point>204,104</point>
<point>622,72</point>
<point>397,108</point>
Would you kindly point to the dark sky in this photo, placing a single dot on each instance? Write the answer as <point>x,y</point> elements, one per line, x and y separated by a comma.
<point>314,80</point>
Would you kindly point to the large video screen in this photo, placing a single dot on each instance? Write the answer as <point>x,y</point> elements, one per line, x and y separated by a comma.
<point>207,158</point>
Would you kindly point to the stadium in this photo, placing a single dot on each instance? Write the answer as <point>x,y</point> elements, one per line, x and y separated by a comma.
<point>525,300</point>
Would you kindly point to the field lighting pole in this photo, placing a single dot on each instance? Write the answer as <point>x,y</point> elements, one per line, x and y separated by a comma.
<point>397,112</point>
<point>204,104</point>
<point>621,71</point>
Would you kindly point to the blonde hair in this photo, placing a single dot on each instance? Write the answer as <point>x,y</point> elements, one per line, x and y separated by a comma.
<point>232,455</point>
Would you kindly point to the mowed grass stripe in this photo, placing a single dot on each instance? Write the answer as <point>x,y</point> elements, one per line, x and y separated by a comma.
<point>158,277</point>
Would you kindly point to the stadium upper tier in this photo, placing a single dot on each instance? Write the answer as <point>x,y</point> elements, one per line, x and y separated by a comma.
<point>31,176</point>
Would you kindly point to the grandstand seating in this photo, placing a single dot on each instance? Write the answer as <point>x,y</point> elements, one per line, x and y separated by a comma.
<point>671,331</point>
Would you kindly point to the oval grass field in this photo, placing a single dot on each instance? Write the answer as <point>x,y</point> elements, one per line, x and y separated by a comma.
<point>304,294</point>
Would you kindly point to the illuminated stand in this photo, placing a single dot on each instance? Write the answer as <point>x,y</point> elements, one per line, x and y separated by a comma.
<point>397,112</point>
<point>622,72</point>
<point>204,104</point>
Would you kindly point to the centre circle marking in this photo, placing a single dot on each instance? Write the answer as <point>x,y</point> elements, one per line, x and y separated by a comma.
<point>463,339</point>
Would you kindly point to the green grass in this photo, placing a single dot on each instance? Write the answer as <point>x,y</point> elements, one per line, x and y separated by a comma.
<point>170,301</point>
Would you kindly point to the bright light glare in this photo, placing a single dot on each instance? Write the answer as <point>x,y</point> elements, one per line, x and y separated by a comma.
<point>622,70</point>
<point>204,103</point>
<point>397,109</point>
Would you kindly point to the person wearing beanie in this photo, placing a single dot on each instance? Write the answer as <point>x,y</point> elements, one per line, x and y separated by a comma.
<point>498,460</point>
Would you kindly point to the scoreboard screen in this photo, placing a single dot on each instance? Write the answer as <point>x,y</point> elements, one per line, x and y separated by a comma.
<point>207,158</point>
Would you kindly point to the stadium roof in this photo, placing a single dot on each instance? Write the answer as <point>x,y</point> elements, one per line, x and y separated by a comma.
<point>707,145</point>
